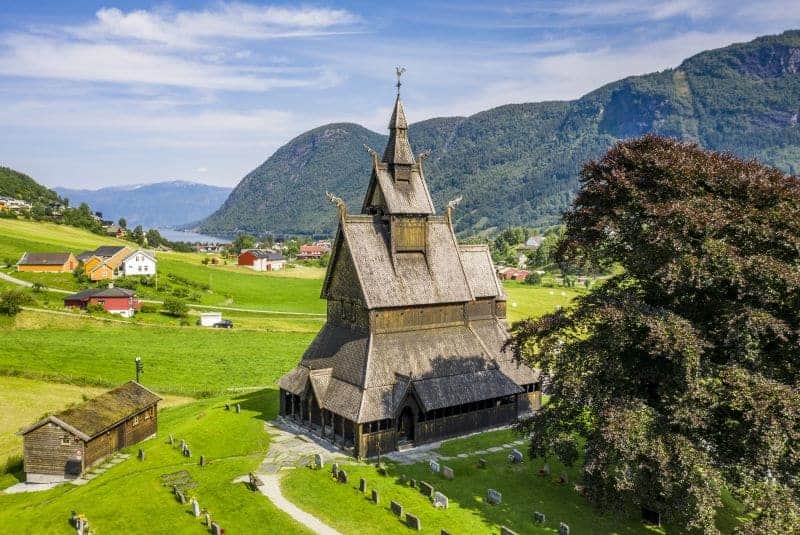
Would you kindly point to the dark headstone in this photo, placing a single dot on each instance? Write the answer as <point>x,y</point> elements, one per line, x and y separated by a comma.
<point>382,470</point>
<point>413,522</point>
<point>426,488</point>
<point>319,462</point>
<point>335,470</point>
<point>181,497</point>
<point>141,454</point>
<point>564,477</point>
<point>227,406</point>
<point>397,509</point>
<point>540,518</point>
<point>413,483</point>
<point>362,485</point>
<point>563,529</point>
<point>202,460</point>
<point>444,532</point>
<point>482,463</point>
<point>376,497</point>
<point>516,456</point>
<point>651,516</point>
<point>493,497</point>
<point>215,529</point>
<point>187,452</point>
<point>507,531</point>
<point>342,476</point>
<point>182,445</point>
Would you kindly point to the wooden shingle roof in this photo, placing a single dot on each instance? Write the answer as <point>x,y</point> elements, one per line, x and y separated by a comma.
<point>44,259</point>
<point>99,414</point>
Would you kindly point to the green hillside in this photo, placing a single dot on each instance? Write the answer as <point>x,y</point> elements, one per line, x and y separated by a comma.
<point>21,186</point>
<point>518,164</point>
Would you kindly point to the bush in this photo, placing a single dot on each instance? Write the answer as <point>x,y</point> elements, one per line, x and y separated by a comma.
<point>176,307</point>
<point>533,278</point>
<point>148,308</point>
<point>94,308</point>
<point>11,301</point>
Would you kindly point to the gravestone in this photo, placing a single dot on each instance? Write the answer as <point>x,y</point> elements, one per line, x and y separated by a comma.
<point>382,470</point>
<point>141,454</point>
<point>539,517</point>
<point>202,460</point>
<point>362,485</point>
<point>426,488</point>
<point>397,509</point>
<point>402,479</point>
<point>187,452</point>
<point>440,500</point>
<point>494,497</point>
<point>181,497</point>
<point>516,456</point>
<point>342,476</point>
<point>238,408</point>
<point>413,522</point>
<point>447,473</point>
<point>413,483</point>
<point>434,466</point>
<point>182,445</point>
<point>564,477</point>
<point>444,532</point>
<point>319,462</point>
<point>335,470</point>
<point>563,529</point>
<point>227,406</point>
<point>376,497</point>
<point>482,463</point>
<point>195,508</point>
<point>507,531</point>
<point>545,471</point>
<point>215,529</point>
<point>208,520</point>
<point>171,440</point>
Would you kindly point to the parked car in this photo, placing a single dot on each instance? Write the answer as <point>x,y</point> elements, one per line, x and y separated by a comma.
<point>224,324</point>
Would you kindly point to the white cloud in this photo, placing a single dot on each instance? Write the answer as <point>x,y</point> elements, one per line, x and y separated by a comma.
<point>637,9</point>
<point>236,21</point>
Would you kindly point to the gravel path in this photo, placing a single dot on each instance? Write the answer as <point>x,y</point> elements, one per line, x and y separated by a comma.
<point>272,490</point>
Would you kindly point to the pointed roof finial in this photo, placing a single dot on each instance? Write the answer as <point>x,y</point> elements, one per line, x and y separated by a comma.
<point>399,70</point>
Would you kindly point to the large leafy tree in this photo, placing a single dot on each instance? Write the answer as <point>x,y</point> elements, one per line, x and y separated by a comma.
<point>679,376</point>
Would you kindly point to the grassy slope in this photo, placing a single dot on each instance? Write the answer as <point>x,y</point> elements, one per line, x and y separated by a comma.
<point>130,498</point>
<point>179,360</point>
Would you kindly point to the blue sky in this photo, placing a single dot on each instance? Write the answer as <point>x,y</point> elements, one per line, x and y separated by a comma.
<point>118,92</point>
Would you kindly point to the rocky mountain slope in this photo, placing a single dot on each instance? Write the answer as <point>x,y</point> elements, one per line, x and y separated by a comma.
<point>519,164</point>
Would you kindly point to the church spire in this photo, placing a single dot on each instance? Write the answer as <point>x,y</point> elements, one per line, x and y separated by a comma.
<point>398,149</point>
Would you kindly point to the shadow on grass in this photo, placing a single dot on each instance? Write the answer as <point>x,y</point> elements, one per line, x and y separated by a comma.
<point>262,402</point>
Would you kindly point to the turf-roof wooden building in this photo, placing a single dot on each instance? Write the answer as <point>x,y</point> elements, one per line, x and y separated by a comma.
<point>413,349</point>
<point>66,444</point>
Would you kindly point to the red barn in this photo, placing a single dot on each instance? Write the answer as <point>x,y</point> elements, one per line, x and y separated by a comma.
<point>261,260</point>
<point>120,301</point>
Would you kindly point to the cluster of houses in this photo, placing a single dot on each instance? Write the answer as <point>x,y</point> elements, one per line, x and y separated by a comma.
<point>107,262</point>
<point>314,251</point>
<point>10,204</point>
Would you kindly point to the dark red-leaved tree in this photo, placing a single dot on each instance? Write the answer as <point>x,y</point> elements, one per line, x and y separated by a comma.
<point>679,376</point>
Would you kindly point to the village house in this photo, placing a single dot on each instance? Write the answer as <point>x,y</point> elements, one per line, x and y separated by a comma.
<point>104,262</point>
<point>120,301</point>
<point>262,260</point>
<point>533,243</point>
<point>47,262</point>
<point>510,273</point>
<point>414,347</point>
<point>68,443</point>
<point>138,263</point>
<point>115,230</point>
<point>312,252</point>
<point>11,204</point>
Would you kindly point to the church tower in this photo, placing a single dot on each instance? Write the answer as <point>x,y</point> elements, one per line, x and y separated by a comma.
<point>413,349</point>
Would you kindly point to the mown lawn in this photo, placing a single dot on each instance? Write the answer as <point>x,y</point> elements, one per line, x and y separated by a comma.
<point>526,301</point>
<point>130,497</point>
<point>179,360</point>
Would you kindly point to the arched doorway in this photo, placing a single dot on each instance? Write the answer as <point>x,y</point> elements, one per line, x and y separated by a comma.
<point>405,425</point>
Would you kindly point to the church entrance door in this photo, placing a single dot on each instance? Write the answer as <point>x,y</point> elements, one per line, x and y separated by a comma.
<point>405,426</point>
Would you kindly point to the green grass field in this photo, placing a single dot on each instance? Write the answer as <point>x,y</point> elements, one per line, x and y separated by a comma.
<point>130,497</point>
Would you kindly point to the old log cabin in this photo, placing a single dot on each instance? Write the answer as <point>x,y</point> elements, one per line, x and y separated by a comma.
<point>65,445</point>
<point>414,347</point>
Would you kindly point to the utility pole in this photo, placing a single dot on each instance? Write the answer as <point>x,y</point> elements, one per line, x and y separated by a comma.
<point>139,367</point>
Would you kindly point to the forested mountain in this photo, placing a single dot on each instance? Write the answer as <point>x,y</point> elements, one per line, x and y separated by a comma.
<point>20,186</point>
<point>518,164</point>
<point>162,204</point>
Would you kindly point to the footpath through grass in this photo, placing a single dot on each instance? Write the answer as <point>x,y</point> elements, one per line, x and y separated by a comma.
<point>131,497</point>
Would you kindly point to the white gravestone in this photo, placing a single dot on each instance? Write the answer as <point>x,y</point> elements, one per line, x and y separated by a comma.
<point>434,467</point>
<point>440,500</point>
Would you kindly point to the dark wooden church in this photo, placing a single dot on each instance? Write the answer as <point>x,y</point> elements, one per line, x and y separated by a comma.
<point>413,349</point>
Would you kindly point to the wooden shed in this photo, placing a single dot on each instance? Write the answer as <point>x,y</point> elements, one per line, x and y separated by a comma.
<point>47,262</point>
<point>66,444</point>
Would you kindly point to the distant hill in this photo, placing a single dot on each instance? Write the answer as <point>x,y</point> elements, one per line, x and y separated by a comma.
<point>21,186</point>
<point>162,204</point>
<point>518,164</point>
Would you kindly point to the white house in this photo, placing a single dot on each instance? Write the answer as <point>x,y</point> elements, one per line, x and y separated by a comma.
<point>137,263</point>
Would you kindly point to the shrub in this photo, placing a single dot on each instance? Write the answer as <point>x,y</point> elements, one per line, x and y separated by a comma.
<point>94,308</point>
<point>11,301</point>
<point>148,308</point>
<point>176,307</point>
<point>533,278</point>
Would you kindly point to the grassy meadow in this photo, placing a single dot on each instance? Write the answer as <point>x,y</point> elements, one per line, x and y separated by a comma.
<point>131,497</point>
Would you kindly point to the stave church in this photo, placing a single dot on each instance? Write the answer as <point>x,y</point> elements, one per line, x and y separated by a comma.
<point>414,346</point>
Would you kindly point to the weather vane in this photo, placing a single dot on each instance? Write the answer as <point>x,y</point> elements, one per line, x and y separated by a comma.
<point>399,71</point>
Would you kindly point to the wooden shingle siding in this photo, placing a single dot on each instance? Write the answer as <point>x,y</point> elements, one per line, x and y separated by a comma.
<point>52,450</point>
